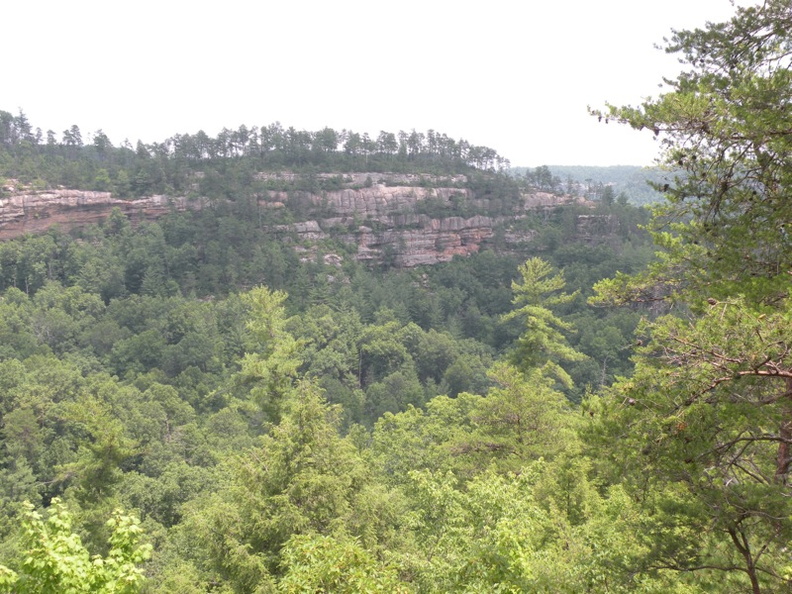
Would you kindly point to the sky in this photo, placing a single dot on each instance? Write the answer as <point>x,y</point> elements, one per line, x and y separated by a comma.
<point>516,76</point>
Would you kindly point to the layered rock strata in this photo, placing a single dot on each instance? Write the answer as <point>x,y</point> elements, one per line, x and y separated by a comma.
<point>379,214</point>
<point>406,240</point>
<point>35,212</point>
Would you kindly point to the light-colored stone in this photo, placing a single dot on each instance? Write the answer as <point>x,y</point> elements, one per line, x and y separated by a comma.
<point>379,220</point>
<point>35,212</point>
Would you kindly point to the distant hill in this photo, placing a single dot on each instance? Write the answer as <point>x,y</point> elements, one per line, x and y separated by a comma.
<point>629,179</point>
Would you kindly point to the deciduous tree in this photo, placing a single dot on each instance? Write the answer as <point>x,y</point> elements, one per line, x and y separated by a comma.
<point>55,560</point>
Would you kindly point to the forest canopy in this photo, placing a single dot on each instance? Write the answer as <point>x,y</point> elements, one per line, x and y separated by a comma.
<point>95,163</point>
<point>194,405</point>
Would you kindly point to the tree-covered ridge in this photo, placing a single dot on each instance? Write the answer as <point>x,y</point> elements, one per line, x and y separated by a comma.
<point>124,389</point>
<point>284,424</point>
<point>169,166</point>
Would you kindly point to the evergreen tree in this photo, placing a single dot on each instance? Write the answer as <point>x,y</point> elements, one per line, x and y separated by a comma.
<point>542,344</point>
<point>705,426</point>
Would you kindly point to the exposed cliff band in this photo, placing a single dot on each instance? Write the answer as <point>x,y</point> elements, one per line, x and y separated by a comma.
<point>380,219</point>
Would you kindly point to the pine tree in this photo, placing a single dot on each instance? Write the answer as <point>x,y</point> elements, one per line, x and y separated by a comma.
<point>704,428</point>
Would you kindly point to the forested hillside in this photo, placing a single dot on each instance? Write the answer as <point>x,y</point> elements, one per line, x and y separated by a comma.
<point>259,387</point>
<point>641,185</point>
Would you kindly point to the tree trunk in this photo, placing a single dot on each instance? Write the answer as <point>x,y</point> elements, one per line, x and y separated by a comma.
<point>785,433</point>
<point>750,568</point>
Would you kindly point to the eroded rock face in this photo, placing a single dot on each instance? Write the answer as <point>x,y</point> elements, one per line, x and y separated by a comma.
<point>590,228</point>
<point>406,240</point>
<point>375,201</point>
<point>360,179</point>
<point>35,212</point>
<point>374,212</point>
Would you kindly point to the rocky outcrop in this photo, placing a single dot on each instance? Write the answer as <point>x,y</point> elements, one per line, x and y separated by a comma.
<point>406,240</point>
<point>376,201</point>
<point>381,222</point>
<point>595,229</point>
<point>35,212</point>
<point>436,240</point>
<point>378,214</point>
<point>364,179</point>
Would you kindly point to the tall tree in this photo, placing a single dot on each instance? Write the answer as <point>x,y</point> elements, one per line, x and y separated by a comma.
<point>72,137</point>
<point>542,345</point>
<point>270,370</point>
<point>725,125</point>
<point>709,411</point>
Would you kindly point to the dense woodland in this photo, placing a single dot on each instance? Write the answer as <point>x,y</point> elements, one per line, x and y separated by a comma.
<point>227,162</point>
<point>192,405</point>
<point>631,181</point>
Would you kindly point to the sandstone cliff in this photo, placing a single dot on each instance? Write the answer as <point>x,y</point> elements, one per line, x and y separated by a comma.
<point>378,214</point>
<point>35,212</point>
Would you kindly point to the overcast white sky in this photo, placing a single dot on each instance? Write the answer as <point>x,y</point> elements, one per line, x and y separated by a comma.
<point>512,75</point>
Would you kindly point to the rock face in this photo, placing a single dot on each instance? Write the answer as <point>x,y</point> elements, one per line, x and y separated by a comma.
<point>376,201</point>
<point>591,229</point>
<point>35,212</point>
<point>404,240</point>
<point>381,222</point>
<point>379,214</point>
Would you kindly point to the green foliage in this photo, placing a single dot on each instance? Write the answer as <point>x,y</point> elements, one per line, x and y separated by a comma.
<point>305,479</point>
<point>208,418</point>
<point>421,438</point>
<point>269,372</point>
<point>103,448</point>
<point>521,419</point>
<point>326,564</point>
<point>542,345</point>
<point>544,530</point>
<point>55,561</point>
<point>704,424</point>
<point>703,412</point>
